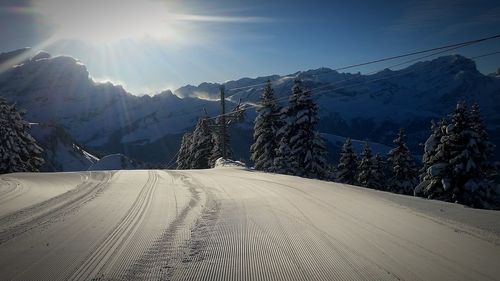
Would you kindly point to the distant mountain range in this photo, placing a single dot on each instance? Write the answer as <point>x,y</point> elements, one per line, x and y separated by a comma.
<point>58,91</point>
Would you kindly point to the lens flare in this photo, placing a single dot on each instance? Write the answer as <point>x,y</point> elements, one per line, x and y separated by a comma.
<point>105,20</point>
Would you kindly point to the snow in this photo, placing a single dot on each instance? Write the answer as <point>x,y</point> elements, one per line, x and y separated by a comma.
<point>221,163</point>
<point>114,162</point>
<point>61,153</point>
<point>21,190</point>
<point>233,223</point>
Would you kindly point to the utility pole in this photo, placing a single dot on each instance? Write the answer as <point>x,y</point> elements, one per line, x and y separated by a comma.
<point>222,123</point>
<point>224,120</point>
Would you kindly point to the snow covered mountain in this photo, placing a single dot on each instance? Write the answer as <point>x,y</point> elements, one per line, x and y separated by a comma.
<point>104,117</point>
<point>61,152</point>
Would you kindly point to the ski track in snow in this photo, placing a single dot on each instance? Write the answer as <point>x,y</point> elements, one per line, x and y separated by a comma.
<point>228,224</point>
<point>11,189</point>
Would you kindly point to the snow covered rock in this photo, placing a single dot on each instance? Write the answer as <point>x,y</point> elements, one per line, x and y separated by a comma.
<point>221,162</point>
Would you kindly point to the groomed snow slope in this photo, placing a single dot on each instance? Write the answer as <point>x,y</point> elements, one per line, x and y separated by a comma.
<point>234,224</point>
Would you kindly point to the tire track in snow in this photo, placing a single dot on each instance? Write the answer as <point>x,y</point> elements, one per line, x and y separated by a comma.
<point>255,242</point>
<point>238,247</point>
<point>95,265</point>
<point>44,213</point>
<point>183,240</point>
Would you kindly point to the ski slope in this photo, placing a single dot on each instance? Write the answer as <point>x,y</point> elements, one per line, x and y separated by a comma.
<point>233,224</point>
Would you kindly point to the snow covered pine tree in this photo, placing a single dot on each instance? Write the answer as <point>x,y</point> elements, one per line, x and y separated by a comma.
<point>434,162</point>
<point>378,180</point>
<point>18,149</point>
<point>183,159</point>
<point>304,148</point>
<point>403,167</point>
<point>216,152</point>
<point>282,164</point>
<point>459,168</point>
<point>348,164</point>
<point>369,169</point>
<point>263,150</point>
<point>201,145</point>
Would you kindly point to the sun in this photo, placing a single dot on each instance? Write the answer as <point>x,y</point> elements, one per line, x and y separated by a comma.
<point>103,21</point>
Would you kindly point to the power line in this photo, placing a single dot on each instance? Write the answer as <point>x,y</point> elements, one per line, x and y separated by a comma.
<point>396,65</point>
<point>461,44</point>
<point>364,82</point>
<point>441,49</point>
<point>402,73</point>
<point>485,55</point>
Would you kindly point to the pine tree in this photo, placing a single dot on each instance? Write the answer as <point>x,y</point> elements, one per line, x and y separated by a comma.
<point>485,147</point>
<point>282,164</point>
<point>263,150</point>
<point>365,167</point>
<point>433,161</point>
<point>460,170</point>
<point>348,164</point>
<point>469,151</point>
<point>183,159</point>
<point>316,165</point>
<point>403,167</point>
<point>378,180</point>
<point>301,151</point>
<point>282,161</point>
<point>216,152</point>
<point>307,147</point>
<point>18,150</point>
<point>201,145</point>
<point>285,162</point>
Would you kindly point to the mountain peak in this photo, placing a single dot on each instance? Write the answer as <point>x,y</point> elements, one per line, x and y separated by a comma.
<point>41,55</point>
<point>448,64</point>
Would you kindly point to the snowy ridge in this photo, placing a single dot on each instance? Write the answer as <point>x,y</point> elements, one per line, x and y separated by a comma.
<point>104,117</point>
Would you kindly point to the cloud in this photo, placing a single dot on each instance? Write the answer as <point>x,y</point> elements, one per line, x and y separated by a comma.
<point>204,96</point>
<point>219,19</point>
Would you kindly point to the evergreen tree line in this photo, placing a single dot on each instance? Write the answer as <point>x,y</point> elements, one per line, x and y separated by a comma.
<point>18,149</point>
<point>457,164</point>
<point>396,173</point>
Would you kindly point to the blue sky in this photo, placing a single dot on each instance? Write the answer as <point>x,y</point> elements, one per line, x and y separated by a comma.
<point>154,45</point>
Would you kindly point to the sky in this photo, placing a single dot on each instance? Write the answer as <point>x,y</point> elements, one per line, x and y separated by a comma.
<point>153,45</point>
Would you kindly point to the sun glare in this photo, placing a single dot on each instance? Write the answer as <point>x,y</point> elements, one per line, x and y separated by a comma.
<point>103,21</point>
